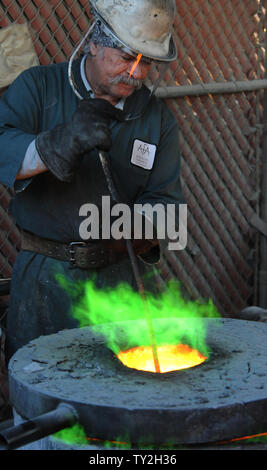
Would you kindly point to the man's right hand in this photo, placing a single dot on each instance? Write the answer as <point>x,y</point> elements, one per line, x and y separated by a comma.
<point>62,148</point>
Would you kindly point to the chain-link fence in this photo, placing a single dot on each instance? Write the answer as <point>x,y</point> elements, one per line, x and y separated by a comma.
<point>9,235</point>
<point>56,25</point>
<point>221,48</point>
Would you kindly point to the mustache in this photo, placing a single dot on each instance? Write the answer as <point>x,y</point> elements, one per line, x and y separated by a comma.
<point>128,81</point>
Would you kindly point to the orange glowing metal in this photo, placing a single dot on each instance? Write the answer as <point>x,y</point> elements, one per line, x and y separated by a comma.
<point>262,434</point>
<point>139,57</point>
<point>171,357</point>
<point>102,440</point>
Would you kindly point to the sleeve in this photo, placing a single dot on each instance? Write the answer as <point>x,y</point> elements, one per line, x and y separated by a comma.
<point>32,162</point>
<point>31,165</point>
<point>164,189</point>
<point>19,118</point>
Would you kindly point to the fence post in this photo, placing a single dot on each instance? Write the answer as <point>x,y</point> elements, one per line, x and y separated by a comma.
<point>263,203</point>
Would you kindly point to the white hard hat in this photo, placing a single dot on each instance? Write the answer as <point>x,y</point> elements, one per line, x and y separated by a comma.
<point>142,26</point>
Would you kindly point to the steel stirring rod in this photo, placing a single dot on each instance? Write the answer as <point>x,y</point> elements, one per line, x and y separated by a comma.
<point>141,289</point>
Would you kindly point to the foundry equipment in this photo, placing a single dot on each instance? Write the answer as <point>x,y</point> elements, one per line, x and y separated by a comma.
<point>75,374</point>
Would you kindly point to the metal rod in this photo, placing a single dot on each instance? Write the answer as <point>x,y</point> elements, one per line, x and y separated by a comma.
<point>115,197</point>
<point>211,88</point>
<point>141,290</point>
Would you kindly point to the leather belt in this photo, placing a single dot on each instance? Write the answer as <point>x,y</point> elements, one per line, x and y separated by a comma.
<point>83,255</point>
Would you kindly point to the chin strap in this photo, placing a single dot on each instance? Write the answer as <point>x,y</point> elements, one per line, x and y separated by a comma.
<point>164,67</point>
<point>70,76</point>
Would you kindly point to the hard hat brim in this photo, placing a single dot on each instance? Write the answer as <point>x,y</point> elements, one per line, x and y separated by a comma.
<point>145,51</point>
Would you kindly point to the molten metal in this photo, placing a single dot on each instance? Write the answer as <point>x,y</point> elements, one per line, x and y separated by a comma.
<point>171,357</point>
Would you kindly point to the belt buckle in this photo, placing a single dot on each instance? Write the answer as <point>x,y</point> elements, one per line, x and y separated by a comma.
<point>71,250</point>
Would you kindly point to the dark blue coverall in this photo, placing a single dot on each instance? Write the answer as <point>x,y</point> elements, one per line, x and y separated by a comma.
<point>39,99</point>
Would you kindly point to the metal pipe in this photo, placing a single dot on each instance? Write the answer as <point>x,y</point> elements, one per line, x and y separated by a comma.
<point>211,88</point>
<point>62,417</point>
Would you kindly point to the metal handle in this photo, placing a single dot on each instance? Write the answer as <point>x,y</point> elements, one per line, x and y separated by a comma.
<point>62,417</point>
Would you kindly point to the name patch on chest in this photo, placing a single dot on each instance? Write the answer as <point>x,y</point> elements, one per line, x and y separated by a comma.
<point>143,154</point>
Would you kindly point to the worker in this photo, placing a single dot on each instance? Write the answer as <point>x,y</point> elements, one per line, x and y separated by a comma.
<point>53,121</point>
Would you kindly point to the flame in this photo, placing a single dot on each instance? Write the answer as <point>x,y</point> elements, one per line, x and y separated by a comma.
<point>135,64</point>
<point>171,357</point>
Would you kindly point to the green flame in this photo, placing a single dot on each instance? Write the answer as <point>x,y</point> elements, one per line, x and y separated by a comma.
<point>175,319</point>
<point>74,435</point>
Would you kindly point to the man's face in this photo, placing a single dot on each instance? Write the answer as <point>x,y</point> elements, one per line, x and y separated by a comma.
<point>110,69</point>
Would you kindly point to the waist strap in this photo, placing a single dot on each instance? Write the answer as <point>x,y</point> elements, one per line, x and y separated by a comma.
<point>83,255</point>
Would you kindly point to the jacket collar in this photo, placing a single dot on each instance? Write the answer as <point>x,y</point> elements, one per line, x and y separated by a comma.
<point>135,105</point>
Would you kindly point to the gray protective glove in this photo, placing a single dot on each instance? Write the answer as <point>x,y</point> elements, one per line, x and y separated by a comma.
<point>62,148</point>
